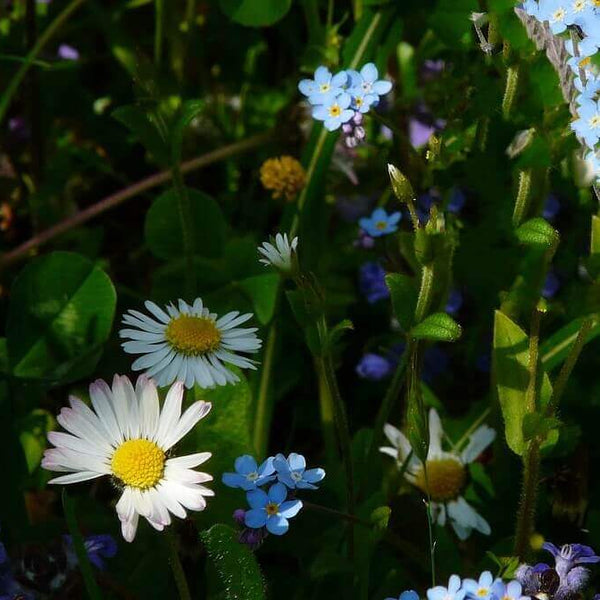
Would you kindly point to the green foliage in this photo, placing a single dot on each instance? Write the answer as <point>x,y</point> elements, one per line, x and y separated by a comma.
<point>511,364</point>
<point>235,563</point>
<point>404,298</point>
<point>61,313</point>
<point>439,327</point>
<point>255,13</point>
<point>539,233</point>
<point>263,291</point>
<point>164,232</point>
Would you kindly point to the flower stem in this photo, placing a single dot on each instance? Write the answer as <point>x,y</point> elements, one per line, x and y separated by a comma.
<point>91,587</point>
<point>176,567</point>
<point>523,194</point>
<point>264,403</point>
<point>424,299</point>
<point>565,372</point>
<point>185,216</point>
<point>526,514</point>
<point>58,22</point>
<point>510,91</point>
<point>131,191</point>
<point>341,424</point>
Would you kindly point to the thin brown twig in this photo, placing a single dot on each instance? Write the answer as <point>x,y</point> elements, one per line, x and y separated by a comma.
<point>121,196</point>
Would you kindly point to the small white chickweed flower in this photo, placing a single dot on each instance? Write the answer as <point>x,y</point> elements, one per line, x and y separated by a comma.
<point>280,254</point>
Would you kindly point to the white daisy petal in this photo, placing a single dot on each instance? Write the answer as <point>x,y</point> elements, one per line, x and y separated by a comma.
<point>188,420</point>
<point>170,414</point>
<point>76,477</point>
<point>435,434</point>
<point>480,439</point>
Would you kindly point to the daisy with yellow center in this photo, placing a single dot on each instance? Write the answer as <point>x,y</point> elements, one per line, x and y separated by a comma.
<point>445,475</point>
<point>128,437</point>
<point>189,343</point>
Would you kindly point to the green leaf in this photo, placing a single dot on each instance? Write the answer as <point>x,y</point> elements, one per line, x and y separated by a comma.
<point>380,519</point>
<point>450,20</point>
<point>164,233</point>
<point>417,426</point>
<point>335,333</point>
<point>539,233</point>
<point>145,131</point>
<point>404,298</point>
<point>556,348</point>
<point>235,563</point>
<point>439,326</point>
<point>537,425</point>
<point>61,312</point>
<point>188,112</point>
<point>255,13</point>
<point>511,361</point>
<point>262,291</point>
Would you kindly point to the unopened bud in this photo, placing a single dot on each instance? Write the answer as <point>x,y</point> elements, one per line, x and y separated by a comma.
<point>400,184</point>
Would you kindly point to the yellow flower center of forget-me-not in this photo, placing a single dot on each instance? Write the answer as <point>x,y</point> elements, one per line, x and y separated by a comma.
<point>594,122</point>
<point>272,508</point>
<point>138,463</point>
<point>559,15</point>
<point>446,478</point>
<point>335,110</point>
<point>193,335</point>
<point>579,5</point>
<point>324,87</point>
<point>381,225</point>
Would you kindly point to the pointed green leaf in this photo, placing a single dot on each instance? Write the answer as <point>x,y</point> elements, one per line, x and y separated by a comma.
<point>539,233</point>
<point>439,326</point>
<point>255,13</point>
<point>555,349</point>
<point>262,291</point>
<point>188,112</point>
<point>511,362</point>
<point>404,298</point>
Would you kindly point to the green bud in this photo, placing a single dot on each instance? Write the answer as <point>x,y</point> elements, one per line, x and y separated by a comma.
<point>400,184</point>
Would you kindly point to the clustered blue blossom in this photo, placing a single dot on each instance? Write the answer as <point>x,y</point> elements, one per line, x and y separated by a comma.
<point>584,15</point>
<point>341,99</point>
<point>566,580</point>
<point>272,507</point>
<point>485,587</point>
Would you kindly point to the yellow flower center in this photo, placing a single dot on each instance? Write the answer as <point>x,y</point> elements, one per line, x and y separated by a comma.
<point>446,478</point>
<point>578,5</point>
<point>595,121</point>
<point>584,62</point>
<point>482,592</point>
<point>324,87</point>
<point>138,463</point>
<point>381,225</point>
<point>272,508</point>
<point>335,110</point>
<point>193,335</point>
<point>358,101</point>
<point>596,3</point>
<point>559,15</point>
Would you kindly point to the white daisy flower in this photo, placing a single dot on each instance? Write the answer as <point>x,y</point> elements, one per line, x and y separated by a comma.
<point>189,344</point>
<point>128,437</point>
<point>279,255</point>
<point>446,473</point>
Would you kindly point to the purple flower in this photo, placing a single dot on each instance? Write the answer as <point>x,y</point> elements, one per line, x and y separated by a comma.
<point>67,52</point>
<point>551,207</point>
<point>551,285</point>
<point>431,69</point>
<point>374,367</point>
<point>454,302</point>
<point>372,282</point>
<point>353,131</point>
<point>569,556</point>
<point>98,547</point>
<point>422,125</point>
<point>456,201</point>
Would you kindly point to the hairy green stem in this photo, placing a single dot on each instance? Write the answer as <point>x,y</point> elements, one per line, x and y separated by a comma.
<point>327,416</point>
<point>523,195</point>
<point>58,22</point>
<point>83,561</point>
<point>176,567</point>
<point>529,490</point>
<point>531,458</point>
<point>510,91</point>
<point>430,527</point>
<point>565,372</point>
<point>264,403</point>
<point>424,299</point>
